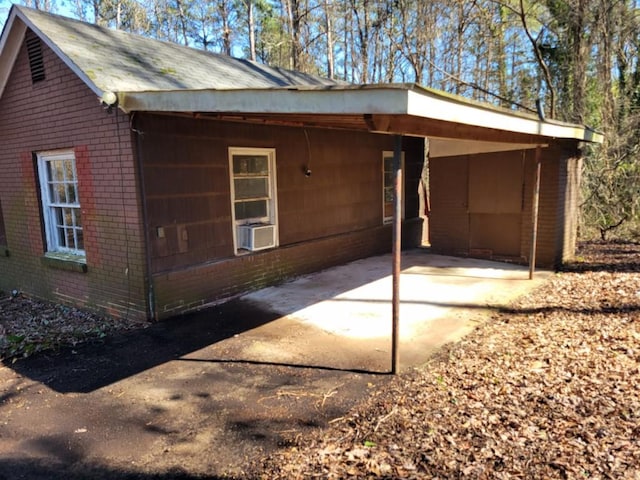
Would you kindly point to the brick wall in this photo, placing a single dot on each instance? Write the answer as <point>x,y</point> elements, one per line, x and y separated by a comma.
<point>61,112</point>
<point>194,287</point>
<point>558,204</point>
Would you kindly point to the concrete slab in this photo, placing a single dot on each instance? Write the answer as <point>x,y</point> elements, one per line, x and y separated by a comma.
<point>341,317</point>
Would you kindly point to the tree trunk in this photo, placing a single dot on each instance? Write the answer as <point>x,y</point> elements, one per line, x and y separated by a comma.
<point>328,27</point>
<point>182,19</point>
<point>252,30</point>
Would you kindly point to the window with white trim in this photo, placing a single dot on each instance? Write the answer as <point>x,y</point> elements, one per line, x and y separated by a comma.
<point>253,197</point>
<point>388,186</point>
<point>61,202</point>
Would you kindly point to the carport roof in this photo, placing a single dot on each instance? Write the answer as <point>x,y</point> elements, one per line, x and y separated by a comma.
<point>153,76</point>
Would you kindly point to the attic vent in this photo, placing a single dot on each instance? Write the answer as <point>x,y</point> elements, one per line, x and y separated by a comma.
<point>36,61</point>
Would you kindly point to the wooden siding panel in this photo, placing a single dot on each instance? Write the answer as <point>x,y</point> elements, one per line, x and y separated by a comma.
<point>496,234</point>
<point>342,195</point>
<point>495,204</point>
<point>495,183</point>
<point>449,221</point>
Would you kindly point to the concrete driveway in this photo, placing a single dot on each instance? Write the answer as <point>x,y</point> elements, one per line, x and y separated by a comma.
<point>341,317</point>
<point>206,394</point>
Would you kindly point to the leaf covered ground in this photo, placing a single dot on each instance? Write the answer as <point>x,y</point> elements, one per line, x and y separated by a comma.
<point>28,326</point>
<point>549,388</point>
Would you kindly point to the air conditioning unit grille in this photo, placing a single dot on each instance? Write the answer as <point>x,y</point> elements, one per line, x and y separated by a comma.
<point>257,236</point>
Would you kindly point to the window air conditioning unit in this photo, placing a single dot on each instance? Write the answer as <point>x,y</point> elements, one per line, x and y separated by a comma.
<point>257,236</point>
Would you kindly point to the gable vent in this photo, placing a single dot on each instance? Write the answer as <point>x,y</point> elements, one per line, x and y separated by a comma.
<point>36,60</point>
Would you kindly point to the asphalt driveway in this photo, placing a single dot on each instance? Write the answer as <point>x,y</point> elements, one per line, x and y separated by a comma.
<point>201,396</point>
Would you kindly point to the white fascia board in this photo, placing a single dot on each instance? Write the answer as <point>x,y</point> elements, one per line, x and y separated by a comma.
<point>428,105</point>
<point>293,101</point>
<point>350,101</point>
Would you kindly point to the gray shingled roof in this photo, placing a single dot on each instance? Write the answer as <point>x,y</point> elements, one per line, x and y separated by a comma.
<point>119,61</point>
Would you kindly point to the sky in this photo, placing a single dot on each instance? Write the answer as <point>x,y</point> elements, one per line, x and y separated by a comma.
<point>4,11</point>
<point>5,6</point>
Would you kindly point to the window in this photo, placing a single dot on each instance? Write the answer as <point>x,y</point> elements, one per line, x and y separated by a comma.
<point>388,187</point>
<point>60,202</point>
<point>253,187</point>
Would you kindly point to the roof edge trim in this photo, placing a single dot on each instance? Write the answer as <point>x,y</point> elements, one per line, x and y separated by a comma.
<point>286,100</point>
<point>429,104</point>
<point>10,42</point>
<point>405,100</point>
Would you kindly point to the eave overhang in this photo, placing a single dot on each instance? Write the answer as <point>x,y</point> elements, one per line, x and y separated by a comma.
<point>396,108</point>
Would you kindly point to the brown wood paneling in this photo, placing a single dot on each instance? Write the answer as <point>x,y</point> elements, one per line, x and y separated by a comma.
<point>449,221</point>
<point>496,202</point>
<point>496,183</point>
<point>187,183</point>
<point>495,233</point>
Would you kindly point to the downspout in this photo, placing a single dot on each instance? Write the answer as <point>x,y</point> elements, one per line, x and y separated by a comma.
<point>147,239</point>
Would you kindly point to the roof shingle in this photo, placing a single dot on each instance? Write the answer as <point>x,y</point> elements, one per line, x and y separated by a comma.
<point>120,61</point>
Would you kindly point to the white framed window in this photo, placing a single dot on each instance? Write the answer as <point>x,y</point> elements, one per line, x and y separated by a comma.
<point>253,198</point>
<point>61,202</point>
<point>388,187</point>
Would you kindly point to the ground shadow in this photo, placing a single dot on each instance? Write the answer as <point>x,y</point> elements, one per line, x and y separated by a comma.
<point>88,367</point>
<point>296,366</point>
<point>618,257</point>
<point>37,469</point>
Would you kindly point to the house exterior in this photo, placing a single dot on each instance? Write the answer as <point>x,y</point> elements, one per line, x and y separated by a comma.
<point>145,179</point>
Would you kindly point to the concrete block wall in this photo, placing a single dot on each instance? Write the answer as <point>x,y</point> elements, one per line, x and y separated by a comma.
<point>61,112</point>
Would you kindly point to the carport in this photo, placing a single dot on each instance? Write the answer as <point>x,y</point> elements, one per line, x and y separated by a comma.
<point>478,209</point>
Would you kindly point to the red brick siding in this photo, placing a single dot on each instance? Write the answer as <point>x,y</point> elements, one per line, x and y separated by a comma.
<point>573,169</point>
<point>61,112</point>
<point>558,204</point>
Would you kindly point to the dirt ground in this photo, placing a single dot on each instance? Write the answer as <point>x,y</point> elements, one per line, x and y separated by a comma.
<point>210,394</point>
<point>125,408</point>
